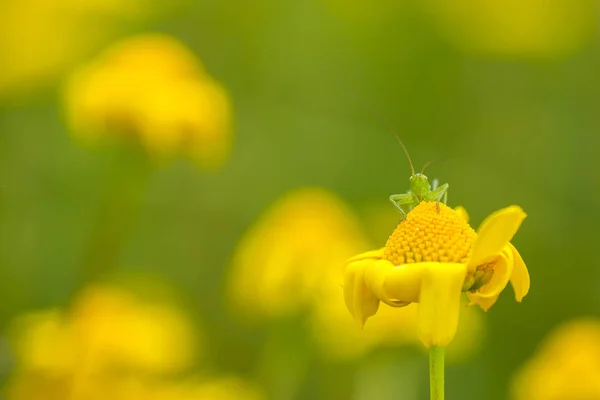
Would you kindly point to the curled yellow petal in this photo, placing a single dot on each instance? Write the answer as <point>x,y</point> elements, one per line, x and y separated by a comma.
<point>503,268</point>
<point>360,300</point>
<point>495,233</point>
<point>376,276</point>
<point>520,276</point>
<point>487,295</point>
<point>439,302</point>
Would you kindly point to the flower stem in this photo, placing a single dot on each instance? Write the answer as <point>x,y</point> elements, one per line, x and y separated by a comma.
<point>436,373</point>
<point>127,177</point>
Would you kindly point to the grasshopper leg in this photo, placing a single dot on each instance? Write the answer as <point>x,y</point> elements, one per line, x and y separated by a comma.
<point>437,195</point>
<point>404,202</point>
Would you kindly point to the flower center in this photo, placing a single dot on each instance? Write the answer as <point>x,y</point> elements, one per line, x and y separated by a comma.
<point>431,232</point>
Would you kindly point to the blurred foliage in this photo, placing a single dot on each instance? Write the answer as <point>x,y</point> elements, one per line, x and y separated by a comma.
<point>502,96</point>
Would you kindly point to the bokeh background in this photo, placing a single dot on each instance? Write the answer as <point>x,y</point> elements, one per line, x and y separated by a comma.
<point>181,182</point>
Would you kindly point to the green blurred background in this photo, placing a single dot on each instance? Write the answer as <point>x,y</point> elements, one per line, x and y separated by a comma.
<point>502,96</point>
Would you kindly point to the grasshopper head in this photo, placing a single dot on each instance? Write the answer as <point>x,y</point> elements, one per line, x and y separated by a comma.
<point>419,185</point>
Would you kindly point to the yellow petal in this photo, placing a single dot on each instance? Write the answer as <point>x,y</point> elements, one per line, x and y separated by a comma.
<point>403,283</point>
<point>484,302</point>
<point>487,295</point>
<point>437,288</point>
<point>520,276</point>
<point>495,233</point>
<point>462,212</point>
<point>376,276</point>
<point>360,300</point>
<point>373,254</point>
<point>439,302</point>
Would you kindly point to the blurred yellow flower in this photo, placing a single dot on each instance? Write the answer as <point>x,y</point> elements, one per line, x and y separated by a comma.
<point>431,257</point>
<point>128,330</point>
<point>565,366</point>
<point>40,40</point>
<point>518,28</point>
<point>339,337</point>
<point>293,252</point>
<point>108,332</point>
<point>29,58</point>
<point>154,91</point>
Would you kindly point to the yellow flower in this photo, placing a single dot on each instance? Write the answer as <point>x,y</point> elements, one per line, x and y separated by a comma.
<point>287,259</point>
<point>431,257</point>
<point>29,58</point>
<point>152,90</point>
<point>338,335</point>
<point>125,329</point>
<point>565,366</point>
<point>517,28</point>
<point>117,344</point>
<point>32,62</point>
<point>108,333</point>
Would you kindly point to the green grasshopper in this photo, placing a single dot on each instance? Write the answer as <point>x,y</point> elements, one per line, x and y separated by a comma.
<point>420,189</point>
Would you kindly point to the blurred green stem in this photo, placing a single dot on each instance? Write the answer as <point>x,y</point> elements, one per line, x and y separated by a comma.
<point>286,358</point>
<point>118,210</point>
<point>436,373</point>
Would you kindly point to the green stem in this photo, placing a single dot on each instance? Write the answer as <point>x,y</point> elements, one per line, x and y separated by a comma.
<point>116,216</point>
<point>436,373</point>
<point>286,359</point>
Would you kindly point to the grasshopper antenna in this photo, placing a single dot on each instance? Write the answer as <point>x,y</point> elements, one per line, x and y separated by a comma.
<point>427,164</point>
<point>407,155</point>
